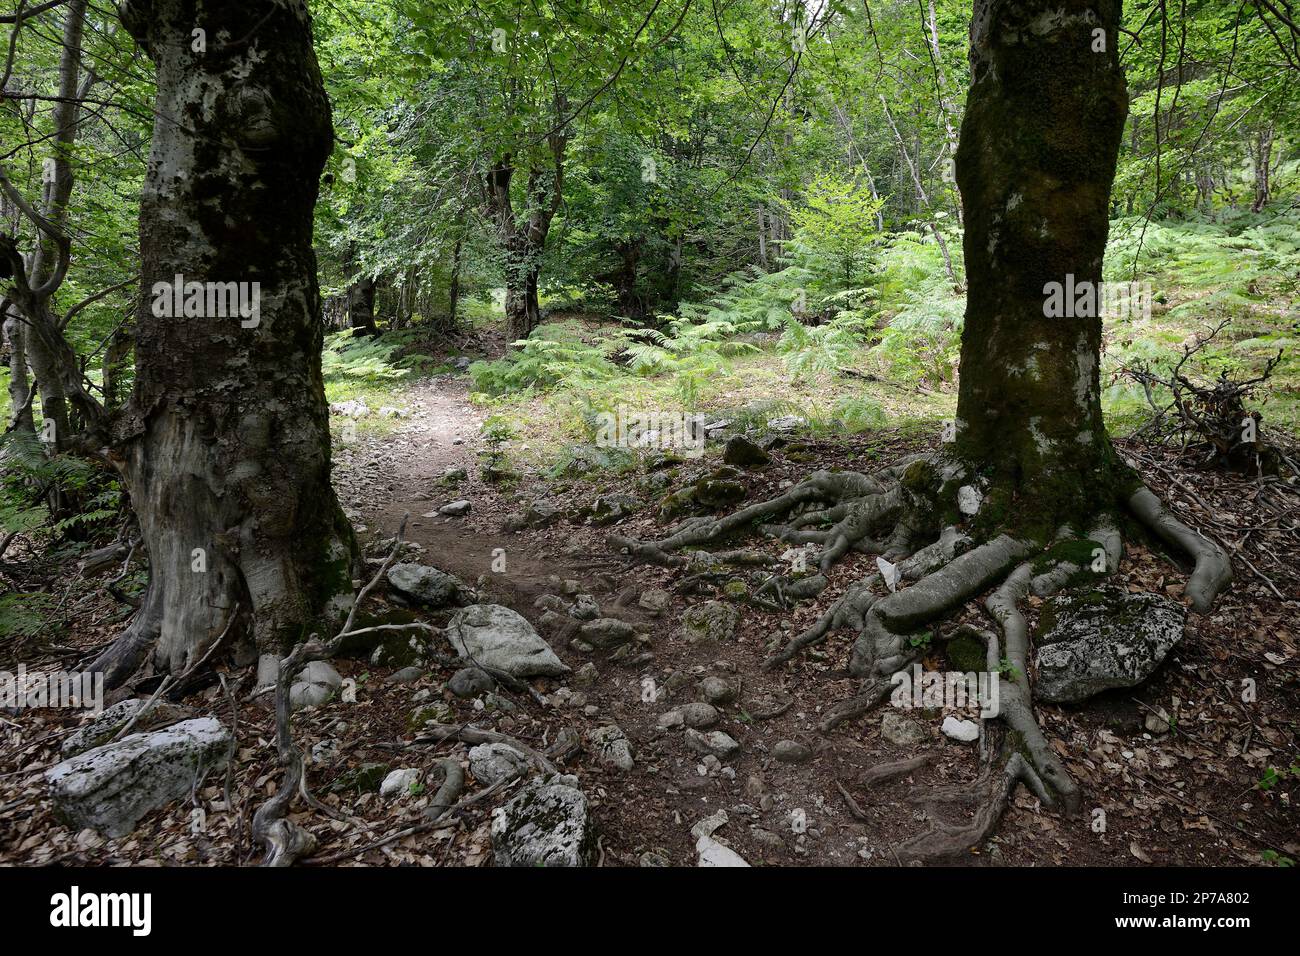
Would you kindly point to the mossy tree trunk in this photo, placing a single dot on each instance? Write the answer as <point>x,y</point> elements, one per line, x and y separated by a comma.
<point>1039,144</point>
<point>225,442</point>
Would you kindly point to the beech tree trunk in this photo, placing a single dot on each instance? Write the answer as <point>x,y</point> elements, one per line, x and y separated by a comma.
<point>53,363</point>
<point>1262,157</point>
<point>1039,145</point>
<point>453,290</point>
<point>225,441</point>
<point>19,385</point>
<point>524,239</point>
<point>361,307</point>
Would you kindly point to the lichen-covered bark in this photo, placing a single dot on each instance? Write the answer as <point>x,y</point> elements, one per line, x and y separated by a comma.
<point>225,441</point>
<point>19,384</point>
<point>1039,143</point>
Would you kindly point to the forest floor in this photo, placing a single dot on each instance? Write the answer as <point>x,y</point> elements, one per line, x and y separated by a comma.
<point>1214,790</point>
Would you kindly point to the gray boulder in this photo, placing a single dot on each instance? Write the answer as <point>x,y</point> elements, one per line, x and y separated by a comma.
<point>426,585</point>
<point>545,824</point>
<point>104,727</point>
<point>495,636</point>
<point>111,788</point>
<point>1097,640</point>
<point>492,763</point>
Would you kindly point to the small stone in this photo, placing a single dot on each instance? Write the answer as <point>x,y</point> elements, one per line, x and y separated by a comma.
<point>707,825</point>
<point>611,746</point>
<point>671,718</point>
<point>743,453</point>
<point>427,585</point>
<point>470,682</point>
<point>398,783</point>
<point>963,730</point>
<point>455,509</point>
<point>1157,723</point>
<point>606,632</point>
<point>315,685</point>
<point>655,600</point>
<point>709,621</point>
<point>552,622</point>
<point>901,731</point>
<point>324,751</point>
<point>715,742</point>
<point>494,762</point>
<point>700,715</point>
<point>607,509</point>
<point>549,602</point>
<point>584,608</point>
<point>969,499</point>
<point>791,751</point>
<point>405,676</point>
<point>717,690</point>
<point>586,675</point>
<point>713,853</point>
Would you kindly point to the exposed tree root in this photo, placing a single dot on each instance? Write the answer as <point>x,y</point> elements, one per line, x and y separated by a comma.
<point>1213,570</point>
<point>897,768</point>
<point>897,518</point>
<point>284,840</point>
<point>1002,769</point>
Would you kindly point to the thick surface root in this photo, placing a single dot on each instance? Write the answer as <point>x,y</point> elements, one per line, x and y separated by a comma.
<point>844,511</point>
<point>1003,768</point>
<point>857,504</point>
<point>1213,570</point>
